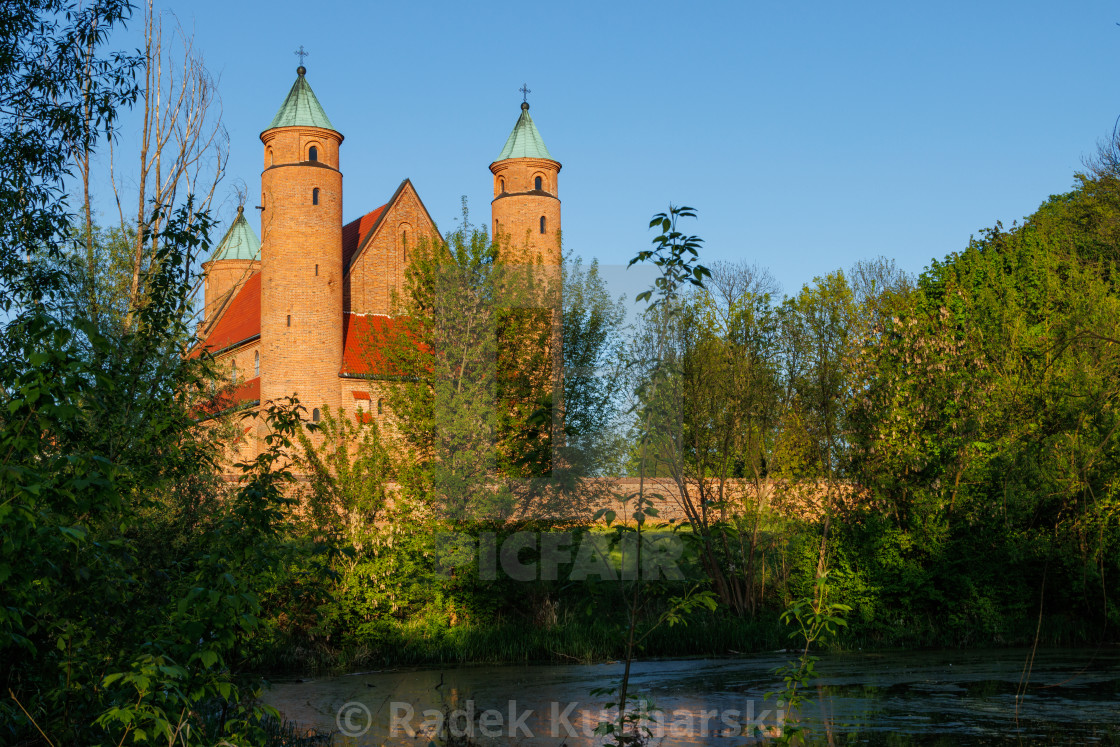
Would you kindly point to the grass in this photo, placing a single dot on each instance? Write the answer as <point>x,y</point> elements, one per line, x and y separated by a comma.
<point>287,734</point>
<point>571,639</point>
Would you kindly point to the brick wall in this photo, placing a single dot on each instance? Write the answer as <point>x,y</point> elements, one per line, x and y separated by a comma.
<point>301,267</point>
<point>223,279</point>
<point>378,271</point>
<point>517,209</point>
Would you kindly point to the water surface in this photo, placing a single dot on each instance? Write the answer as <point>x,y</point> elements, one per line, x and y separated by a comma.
<point>929,697</point>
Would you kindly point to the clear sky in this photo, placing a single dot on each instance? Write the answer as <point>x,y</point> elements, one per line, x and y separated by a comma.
<point>808,135</point>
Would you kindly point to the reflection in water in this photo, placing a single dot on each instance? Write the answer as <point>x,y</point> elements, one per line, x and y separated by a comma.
<point>939,697</point>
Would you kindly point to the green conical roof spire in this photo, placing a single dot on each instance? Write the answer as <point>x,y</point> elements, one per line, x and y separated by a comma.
<point>240,241</point>
<point>301,108</point>
<point>524,141</point>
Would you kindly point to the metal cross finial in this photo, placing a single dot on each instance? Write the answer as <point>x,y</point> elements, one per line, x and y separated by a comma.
<point>301,53</point>
<point>525,91</point>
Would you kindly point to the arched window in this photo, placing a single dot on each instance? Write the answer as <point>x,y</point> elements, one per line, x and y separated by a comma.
<point>501,185</point>
<point>537,183</point>
<point>233,372</point>
<point>257,363</point>
<point>315,196</point>
<point>380,406</point>
<point>542,224</point>
<point>270,156</point>
<point>312,153</point>
<point>315,415</point>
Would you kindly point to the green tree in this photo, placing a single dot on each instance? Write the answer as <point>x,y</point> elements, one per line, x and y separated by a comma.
<point>592,352</point>
<point>443,352</point>
<point>126,610</point>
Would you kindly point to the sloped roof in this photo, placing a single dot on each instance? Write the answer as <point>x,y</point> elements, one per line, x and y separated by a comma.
<point>246,393</point>
<point>301,108</point>
<point>524,141</point>
<point>241,320</point>
<point>240,241</point>
<point>355,232</point>
<point>365,337</point>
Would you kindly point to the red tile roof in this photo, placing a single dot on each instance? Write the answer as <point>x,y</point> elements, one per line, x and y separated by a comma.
<point>241,320</point>
<point>247,392</point>
<point>354,232</point>
<point>364,341</point>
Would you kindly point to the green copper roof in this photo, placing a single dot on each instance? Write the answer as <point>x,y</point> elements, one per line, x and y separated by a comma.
<point>301,108</point>
<point>240,241</point>
<point>524,141</point>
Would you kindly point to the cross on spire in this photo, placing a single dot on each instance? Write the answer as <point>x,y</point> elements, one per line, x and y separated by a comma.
<point>525,91</point>
<point>301,53</point>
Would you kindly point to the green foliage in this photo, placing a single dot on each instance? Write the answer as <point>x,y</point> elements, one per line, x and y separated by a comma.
<point>133,581</point>
<point>675,254</point>
<point>986,416</point>
<point>816,620</point>
<point>592,348</point>
<point>348,470</point>
<point>443,354</point>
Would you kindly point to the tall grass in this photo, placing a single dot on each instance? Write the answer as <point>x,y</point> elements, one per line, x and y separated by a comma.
<point>572,639</point>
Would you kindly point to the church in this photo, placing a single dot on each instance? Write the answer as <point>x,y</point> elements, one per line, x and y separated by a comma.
<point>287,314</point>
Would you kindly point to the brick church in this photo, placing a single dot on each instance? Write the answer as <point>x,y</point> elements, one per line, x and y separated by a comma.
<point>288,314</point>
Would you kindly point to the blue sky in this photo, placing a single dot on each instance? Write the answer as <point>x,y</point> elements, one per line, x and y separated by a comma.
<point>808,135</point>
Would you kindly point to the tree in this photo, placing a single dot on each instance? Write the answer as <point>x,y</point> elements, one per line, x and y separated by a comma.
<point>592,350</point>
<point>714,416</point>
<point>442,355</point>
<point>183,144</point>
<point>101,462</point>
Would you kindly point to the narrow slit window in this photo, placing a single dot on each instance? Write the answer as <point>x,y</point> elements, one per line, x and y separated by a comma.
<point>315,415</point>
<point>316,270</point>
<point>537,183</point>
<point>257,363</point>
<point>312,153</point>
<point>289,320</point>
<point>233,372</point>
<point>542,224</point>
<point>380,406</point>
<point>501,185</point>
<point>315,196</point>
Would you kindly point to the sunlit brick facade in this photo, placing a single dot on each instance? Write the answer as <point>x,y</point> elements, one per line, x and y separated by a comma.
<point>292,315</point>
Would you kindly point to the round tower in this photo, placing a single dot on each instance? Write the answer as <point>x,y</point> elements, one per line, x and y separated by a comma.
<point>526,223</point>
<point>526,205</point>
<point>301,253</point>
<point>237,257</point>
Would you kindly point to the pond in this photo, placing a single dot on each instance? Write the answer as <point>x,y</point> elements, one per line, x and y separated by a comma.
<point>926,697</point>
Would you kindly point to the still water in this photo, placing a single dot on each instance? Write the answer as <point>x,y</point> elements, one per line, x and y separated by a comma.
<point>928,697</point>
